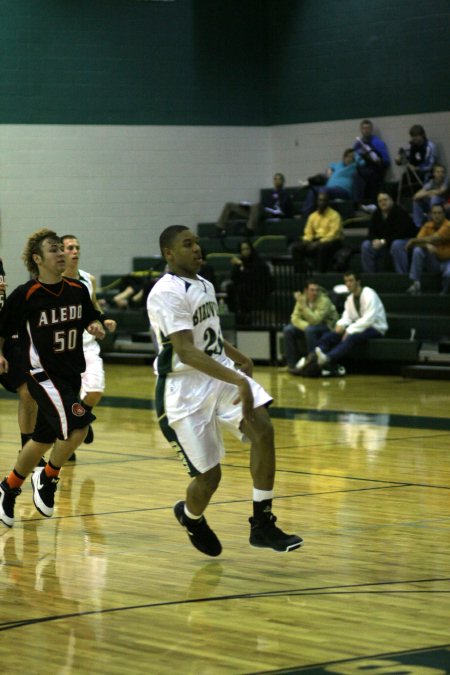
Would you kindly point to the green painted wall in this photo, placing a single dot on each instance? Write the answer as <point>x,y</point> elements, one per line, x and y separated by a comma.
<point>132,62</point>
<point>342,59</point>
<point>230,62</point>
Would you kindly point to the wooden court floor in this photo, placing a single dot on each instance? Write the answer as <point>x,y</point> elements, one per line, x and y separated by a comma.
<point>111,584</point>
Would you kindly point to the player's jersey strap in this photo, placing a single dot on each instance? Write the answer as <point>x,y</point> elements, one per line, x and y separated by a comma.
<point>167,430</point>
<point>165,357</point>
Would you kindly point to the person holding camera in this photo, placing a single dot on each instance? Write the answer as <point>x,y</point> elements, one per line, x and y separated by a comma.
<point>418,160</point>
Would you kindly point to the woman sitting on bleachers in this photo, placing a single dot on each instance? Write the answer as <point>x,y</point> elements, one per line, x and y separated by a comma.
<point>251,283</point>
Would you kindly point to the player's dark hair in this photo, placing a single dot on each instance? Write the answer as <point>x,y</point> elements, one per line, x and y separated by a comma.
<point>167,236</point>
<point>34,246</point>
<point>350,273</point>
<point>68,236</point>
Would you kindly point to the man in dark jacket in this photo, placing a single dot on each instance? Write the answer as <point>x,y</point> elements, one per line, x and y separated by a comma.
<point>389,230</point>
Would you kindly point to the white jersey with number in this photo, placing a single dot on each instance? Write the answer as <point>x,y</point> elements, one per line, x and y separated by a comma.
<point>175,304</point>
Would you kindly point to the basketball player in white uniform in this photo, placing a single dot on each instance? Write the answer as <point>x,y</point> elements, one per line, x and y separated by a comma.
<point>93,379</point>
<point>201,379</point>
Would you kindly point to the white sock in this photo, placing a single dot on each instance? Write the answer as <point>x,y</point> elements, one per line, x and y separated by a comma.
<point>191,515</point>
<point>261,495</point>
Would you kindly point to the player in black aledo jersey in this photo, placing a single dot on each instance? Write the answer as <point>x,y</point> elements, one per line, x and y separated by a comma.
<point>49,314</point>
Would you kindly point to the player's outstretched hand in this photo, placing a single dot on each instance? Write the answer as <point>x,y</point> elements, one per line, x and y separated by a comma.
<point>110,325</point>
<point>96,329</point>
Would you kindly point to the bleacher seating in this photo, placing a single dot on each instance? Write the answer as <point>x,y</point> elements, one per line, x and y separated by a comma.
<point>221,264</point>
<point>206,229</point>
<point>412,320</point>
<point>152,263</point>
<point>292,228</point>
<point>271,244</point>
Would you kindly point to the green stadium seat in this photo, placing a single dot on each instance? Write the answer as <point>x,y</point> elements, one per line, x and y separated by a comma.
<point>292,228</point>
<point>271,244</point>
<point>148,263</point>
<point>206,229</point>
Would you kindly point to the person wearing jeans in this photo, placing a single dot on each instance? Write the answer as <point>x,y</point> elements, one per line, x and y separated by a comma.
<point>431,251</point>
<point>313,315</point>
<point>363,318</point>
<point>389,231</point>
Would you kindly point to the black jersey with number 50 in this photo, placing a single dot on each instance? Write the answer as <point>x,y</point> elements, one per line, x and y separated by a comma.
<point>50,319</point>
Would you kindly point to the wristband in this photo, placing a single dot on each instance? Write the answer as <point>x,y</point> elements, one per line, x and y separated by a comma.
<point>103,318</point>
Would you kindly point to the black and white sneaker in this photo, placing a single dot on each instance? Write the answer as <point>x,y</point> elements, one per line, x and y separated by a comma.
<point>265,534</point>
<point>44,489</point>
<point>7,501</point>
<point>199,532</point>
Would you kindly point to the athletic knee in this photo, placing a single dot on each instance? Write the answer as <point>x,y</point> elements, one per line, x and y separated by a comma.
<point>262,429</point>
<point>210,480</point>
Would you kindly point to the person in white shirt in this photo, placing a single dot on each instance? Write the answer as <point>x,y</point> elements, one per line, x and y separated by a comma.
<point>363,318</point>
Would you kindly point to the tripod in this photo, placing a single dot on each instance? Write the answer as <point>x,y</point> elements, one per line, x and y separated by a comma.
<point>408,184</point>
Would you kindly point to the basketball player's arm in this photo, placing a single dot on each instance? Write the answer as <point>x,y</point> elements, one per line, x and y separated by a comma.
<point>241,361</point>
<point>3,361</point>
<point>183,344</point>
<point>109,324</point>
<point>96,329</point>
<point>91,315</point>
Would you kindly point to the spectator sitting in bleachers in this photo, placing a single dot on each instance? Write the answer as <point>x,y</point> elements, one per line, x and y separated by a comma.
<point>363,318</point>
<point>433,192</point>
<point>418,160</point>
<point>337,182</point>
<point>133,290</point>
<point>369,177</point>
<point>431,251</point>
<point>313,315</point>
<point>250,285</point>
<point>277,204</point>
<point>321,239</point>
<point>130,288</point>
<point>389,230</point>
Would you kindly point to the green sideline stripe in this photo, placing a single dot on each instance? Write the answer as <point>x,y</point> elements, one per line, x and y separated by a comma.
<point>304,414</point>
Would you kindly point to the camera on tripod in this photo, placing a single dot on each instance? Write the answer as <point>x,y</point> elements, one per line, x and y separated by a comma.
<point>402,156</point>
